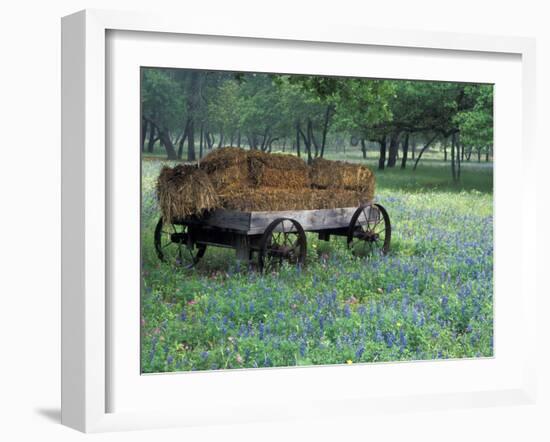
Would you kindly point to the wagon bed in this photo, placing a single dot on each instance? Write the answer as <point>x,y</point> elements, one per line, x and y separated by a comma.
<point>252,223</point>
<point>274,235</point>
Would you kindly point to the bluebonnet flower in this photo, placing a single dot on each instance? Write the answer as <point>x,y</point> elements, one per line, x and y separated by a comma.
<point>153,348</point>
<point>347,311</point>
<point>390,339</point>
<point>303,348</point>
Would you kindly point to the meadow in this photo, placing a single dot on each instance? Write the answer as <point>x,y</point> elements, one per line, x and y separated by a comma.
<point>430,298</point>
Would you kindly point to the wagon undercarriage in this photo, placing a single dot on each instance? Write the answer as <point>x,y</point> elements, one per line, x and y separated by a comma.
<point>274,237</point>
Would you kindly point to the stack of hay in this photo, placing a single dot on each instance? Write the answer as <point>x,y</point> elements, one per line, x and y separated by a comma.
<point>326,174</point>
<point>251,180</point>
<point>185,190</point>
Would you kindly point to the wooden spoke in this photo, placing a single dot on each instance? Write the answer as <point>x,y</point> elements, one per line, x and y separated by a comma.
<point>371,237</point>
<point>174,245</point>
<point>284,239</point>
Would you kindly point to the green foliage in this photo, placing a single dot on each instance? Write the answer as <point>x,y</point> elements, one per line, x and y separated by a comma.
<point>425,106</point>
<point>162,98</point>
<point>225,112</point>
<point>476,122</point>
<point>363,104</point>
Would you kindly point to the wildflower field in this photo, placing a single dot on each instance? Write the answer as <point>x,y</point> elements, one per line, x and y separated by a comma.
<point>431,297</point>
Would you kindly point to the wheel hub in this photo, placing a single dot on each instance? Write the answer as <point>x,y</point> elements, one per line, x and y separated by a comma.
<point>179,237</point>
<point>280,251</point>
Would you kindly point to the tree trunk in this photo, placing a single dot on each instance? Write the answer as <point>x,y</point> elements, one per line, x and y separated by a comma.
<point>191,141</point>
<point>208,139</point>
<point>144,126</point>
<point>251,141</point>
<point>265,139</point>
<point>413,148</point>
<point>394,146</point>
<point>382,159</point>
<point>453,164</point>
<point>222,136</point>
<point>201,142</point>
<point>183,137</point>
<point>364,148</point>
<point>325,129</point>
<point>307,144</point>
<point>423,150</point>
<point>192,109</point>
<point>479,154</point>
<point>239,137</point>
<point>311,138</point>
<point>298,140</point>
<point>460,148</point>
<point>405,152</point>
<point>168,145</point>
<point>445,151</point>
<point>152,138</point>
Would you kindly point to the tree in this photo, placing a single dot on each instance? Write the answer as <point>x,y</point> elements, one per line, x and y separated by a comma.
<point>162,101</point>
<point>476,123</point>
<point>224,110</point>
<point>362,107</point>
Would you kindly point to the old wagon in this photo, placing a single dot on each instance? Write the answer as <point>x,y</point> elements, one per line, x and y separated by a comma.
<point>270,238</point>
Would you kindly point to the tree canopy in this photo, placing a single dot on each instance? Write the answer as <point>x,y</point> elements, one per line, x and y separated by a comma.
<point>266,111</point>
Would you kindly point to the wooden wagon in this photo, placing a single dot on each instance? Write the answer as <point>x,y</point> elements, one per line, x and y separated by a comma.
<point>274,236</point>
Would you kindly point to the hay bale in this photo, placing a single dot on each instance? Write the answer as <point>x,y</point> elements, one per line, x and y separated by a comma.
<point>271,199</point>
<point>227,168</point>
<point>277,170</point>
<point>232,168</point>
<point>326,174</point>
<point>184,191</point>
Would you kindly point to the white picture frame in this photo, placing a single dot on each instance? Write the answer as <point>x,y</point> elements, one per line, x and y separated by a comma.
<point>86,205</point>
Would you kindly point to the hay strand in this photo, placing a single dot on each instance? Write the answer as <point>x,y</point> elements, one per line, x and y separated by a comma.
<point>183,191</point>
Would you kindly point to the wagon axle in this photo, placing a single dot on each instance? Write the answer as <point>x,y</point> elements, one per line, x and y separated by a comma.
<point>366,236</point>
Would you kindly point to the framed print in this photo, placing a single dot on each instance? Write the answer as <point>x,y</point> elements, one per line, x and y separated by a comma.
<point>285,224</point>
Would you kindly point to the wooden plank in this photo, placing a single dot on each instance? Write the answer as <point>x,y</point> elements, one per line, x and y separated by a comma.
<point>254,223</point>
<point>309,219</point>
<point>228,219</point>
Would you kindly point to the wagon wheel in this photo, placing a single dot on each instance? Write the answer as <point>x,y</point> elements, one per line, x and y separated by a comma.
<point>174,244</point>
<point>284,239</point>
<point>369,231</point>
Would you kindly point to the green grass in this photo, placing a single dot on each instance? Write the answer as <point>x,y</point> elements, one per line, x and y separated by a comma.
<point>430,298</point>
